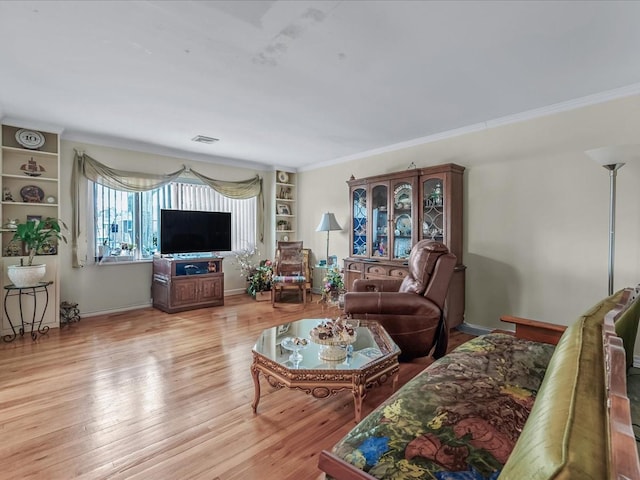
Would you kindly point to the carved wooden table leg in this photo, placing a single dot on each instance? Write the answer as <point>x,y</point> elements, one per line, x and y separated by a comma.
<point>255,373</point>
<point>359,392</point>
<point>394,382</point>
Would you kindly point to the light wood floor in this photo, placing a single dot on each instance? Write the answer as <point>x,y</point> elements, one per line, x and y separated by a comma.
<point>148,395</point>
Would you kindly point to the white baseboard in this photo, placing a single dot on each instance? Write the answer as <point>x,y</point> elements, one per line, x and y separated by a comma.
<point>114,310</point>
<point>472,329</point>
<point>236,291</point>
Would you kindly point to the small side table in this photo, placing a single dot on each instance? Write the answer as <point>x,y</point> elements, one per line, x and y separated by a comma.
<point>32,292</point>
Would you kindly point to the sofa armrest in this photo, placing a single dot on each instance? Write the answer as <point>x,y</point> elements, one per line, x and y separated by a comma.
<point>376,285</point>
<point>535,330</point>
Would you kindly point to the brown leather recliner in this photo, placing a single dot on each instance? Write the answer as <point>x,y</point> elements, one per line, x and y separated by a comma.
<point>410,309</point>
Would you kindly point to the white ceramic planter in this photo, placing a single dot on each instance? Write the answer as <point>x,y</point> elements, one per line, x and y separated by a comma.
<point>26,276</point>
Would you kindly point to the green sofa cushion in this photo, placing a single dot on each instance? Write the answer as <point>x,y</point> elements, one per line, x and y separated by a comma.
<point>565,436</point>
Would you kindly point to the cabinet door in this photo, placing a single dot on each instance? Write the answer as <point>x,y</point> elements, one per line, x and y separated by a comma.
<point>210,289</point>
<point>380,220</point>
<point>359,222</point>
<point>184,291</point>
<point>404,218</point>
<point>434,203</point>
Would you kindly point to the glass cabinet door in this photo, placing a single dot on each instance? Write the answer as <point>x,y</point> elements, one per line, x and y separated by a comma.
<point>433,204</point>
<point>380,221</point>
<point>359,216</point>
<point>402,219</point>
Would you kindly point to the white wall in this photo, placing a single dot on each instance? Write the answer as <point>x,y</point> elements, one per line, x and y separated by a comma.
<point>104,288</point>
<point>535,210</point>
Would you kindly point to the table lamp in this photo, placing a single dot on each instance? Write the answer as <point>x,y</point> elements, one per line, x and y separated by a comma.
<point>327,224</point>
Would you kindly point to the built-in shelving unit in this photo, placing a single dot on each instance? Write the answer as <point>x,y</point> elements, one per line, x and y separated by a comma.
<point>29,181</point>
<point>285,206</point>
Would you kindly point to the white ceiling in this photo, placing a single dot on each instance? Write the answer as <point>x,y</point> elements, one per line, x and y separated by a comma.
<point>297,84</point>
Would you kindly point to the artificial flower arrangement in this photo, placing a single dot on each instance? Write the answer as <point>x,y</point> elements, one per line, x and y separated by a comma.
<point>260,278</point>
<point>332,283</point>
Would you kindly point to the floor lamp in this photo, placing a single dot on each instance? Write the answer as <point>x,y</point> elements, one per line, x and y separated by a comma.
<point>613,159</point>
<point>328,223</point>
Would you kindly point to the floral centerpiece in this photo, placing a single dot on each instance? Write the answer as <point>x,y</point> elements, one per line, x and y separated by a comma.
<point>244,258</point>
<point>260,278</point>
<point>332,284</point>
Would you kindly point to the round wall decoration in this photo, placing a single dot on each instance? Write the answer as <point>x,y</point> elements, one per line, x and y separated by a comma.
<point>29,138</point>
<point>283,177</point>
<point>32,194</point>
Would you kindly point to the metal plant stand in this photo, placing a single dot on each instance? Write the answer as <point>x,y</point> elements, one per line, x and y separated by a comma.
<point>20,292</point>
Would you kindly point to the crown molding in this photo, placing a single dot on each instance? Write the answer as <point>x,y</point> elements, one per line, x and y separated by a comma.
<point>548,110</point>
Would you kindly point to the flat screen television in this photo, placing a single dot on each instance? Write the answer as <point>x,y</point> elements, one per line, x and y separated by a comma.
<point>191,231</point>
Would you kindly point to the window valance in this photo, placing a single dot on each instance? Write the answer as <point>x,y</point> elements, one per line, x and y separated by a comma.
<point>85,167</point>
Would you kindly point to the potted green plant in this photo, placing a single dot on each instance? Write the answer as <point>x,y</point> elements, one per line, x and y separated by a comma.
<point>36,236</point>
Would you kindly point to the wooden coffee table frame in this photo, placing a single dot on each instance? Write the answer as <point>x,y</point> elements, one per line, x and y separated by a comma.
<point>324,382</point>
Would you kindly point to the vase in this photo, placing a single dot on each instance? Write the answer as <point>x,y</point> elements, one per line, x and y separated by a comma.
<point>336,297</point>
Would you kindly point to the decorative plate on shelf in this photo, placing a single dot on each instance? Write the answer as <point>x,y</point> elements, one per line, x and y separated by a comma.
<point>402,196</point>
<point>29,138</point>
<point>403,224</point>
<point>32,194</point>
<point>283,177</point>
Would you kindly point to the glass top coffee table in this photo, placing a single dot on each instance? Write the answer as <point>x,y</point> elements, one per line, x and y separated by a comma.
<point>371,360</point>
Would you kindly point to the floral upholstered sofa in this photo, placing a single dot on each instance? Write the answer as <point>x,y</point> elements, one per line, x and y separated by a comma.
<point>510,407</point>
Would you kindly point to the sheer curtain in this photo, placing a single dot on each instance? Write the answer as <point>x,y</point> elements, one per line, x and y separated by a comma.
<point>87,168</point>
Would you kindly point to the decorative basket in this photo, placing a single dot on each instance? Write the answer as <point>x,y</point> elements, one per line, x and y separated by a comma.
<point>333,341</point>
<point>332,349</point>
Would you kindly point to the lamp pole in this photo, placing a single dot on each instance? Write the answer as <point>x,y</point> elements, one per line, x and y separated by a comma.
<point>613,172</point>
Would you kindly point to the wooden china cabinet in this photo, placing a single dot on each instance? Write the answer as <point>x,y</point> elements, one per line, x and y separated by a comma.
<point>392,212</point>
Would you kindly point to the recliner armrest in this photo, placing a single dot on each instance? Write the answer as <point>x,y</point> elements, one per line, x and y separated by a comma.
<point>377,285</point>
<point>389,303</point>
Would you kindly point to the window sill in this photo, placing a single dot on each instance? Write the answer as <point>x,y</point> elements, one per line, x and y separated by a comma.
<point>110,261</point>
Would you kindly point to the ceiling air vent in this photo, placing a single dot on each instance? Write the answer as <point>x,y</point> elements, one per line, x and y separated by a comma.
<point>203,139</point>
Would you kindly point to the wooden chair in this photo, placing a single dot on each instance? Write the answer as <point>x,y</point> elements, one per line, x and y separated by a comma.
<point>308,271</point>
<point>288,271</point>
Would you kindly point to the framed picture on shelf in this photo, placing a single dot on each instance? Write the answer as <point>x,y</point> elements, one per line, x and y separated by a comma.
<point>285,193</point>
<point>283,209</point>
<point>34,218</point>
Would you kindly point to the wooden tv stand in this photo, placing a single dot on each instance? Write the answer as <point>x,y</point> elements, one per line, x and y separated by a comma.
<point>187,283</point>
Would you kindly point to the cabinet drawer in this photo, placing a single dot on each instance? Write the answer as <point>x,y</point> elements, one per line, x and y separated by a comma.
<point>353,266</point>
<point>398,272</point>
<point>377,270</point>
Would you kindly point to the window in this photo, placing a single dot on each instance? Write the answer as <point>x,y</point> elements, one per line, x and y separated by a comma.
<point>127,225</point>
